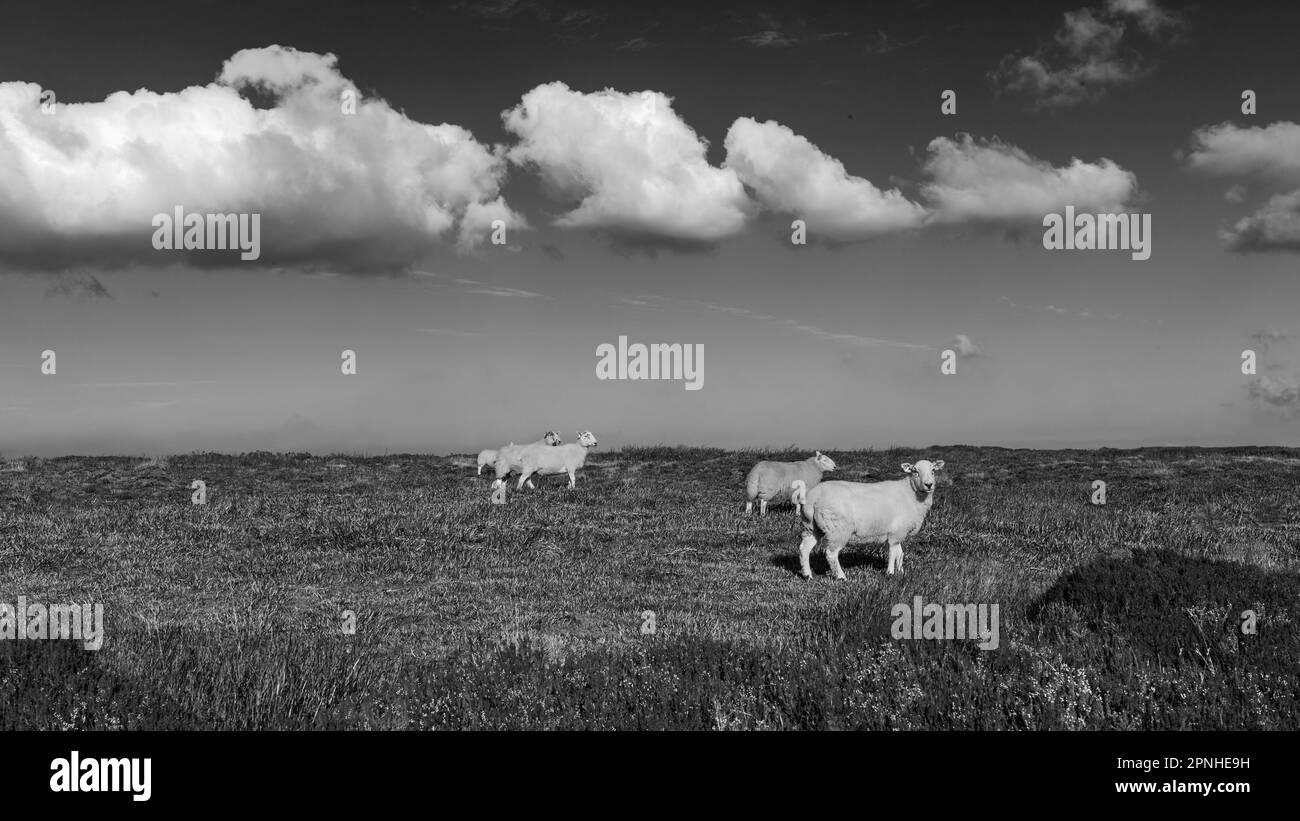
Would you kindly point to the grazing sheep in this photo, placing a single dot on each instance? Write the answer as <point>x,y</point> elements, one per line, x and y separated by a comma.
<point>772,481</point>
<point>886,512</point>
<point>490,457</point>
<point>545,461</point>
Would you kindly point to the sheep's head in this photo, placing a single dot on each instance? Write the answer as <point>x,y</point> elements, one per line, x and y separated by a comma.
<point>587,439</point>
<point>824,462</point>
<point>552,438</point>
<point>922,475</point>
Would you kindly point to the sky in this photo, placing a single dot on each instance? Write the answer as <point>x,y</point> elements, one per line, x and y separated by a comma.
<point>646,166</point>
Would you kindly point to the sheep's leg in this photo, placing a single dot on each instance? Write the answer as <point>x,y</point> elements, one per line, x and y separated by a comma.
<point>895,557</point>
<point>833,548</point>
<point>531,486</point>
<point>762,507</point>
<point>524,476</point>
<point>806,546</point>
<point>573,480</point>
<point>749,507</point>
<point>480,470</point>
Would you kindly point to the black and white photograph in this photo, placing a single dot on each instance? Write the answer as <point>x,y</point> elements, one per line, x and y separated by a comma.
<point>625,370</point>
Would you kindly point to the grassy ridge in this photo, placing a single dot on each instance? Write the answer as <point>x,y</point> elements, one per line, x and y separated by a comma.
<point>528,615</point>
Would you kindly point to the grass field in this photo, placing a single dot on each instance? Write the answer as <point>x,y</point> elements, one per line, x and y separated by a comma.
<point>529,615</point>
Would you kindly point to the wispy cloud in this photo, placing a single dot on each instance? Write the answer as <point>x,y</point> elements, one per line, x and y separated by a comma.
<point>965,347</point>
<point>183,384</point>
<point>447,331</point>
<point>1090,54</point>
<point>1079,313</point>
<point>767,30</point>
<point>853,339</point>
<point>475,286</point>
<point>78,286</point>
<point>657,302</point>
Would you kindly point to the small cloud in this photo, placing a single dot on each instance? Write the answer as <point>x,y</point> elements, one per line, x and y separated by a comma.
<point>507,293</point>
<point>1265,337</point>
<point>1236,194</point>
<point>791,175</point>
<point>135,385</point>
<point>474,286</point>
<point>1087,56</point>
<point>965,347</point>
<point>78,286</point>
<point>635,44</point>
<point>1275,392</point>
<point>446,331</point>
<point>1274,227</point>
<point>992,182</point>
<point>880,44</point>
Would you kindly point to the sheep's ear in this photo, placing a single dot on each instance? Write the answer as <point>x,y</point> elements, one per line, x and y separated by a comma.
<point>819,453</point>
<point>907,467</point>
<point>938,465</point>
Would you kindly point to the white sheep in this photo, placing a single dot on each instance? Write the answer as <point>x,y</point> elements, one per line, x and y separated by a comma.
<point>489,457</point>
<point>886,512</point>
<point>544,461</point>
<point>772,481</point>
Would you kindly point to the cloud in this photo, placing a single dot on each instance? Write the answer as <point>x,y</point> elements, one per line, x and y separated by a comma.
<point>1279,389</point>
<point>78,286</point>
<point>447,331</point>
<point>1268,153</point>
<point>1275,392</point>
<point>658,302</point>
<point>791,175</point>
<point>965,348</point>
<point>1270,157</point>
<point>373,189</point>
<point>1266,337</point>
<point>1152,19</point>
<point>992,182</point>
<point>1274,227</point>
<point>1086,57</point>
<point>769,38</point>
<point>627,163</point>
<point>474,286</point>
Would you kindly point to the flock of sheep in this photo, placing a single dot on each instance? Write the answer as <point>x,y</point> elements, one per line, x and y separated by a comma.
<point>833,513</point>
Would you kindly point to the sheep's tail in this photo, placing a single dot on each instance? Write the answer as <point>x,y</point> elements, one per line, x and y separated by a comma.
<point>798,495</point>
<point>751,483</point>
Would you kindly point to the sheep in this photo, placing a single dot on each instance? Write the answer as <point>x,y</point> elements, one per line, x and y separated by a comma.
<point>887,512</point>
<point>544,461</point>
<point>771,481</point>
<point>489,457</point>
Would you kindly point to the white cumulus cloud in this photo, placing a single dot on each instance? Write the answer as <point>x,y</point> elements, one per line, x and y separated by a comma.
<point>1268,156</point>
<point>626,163</point>
<point>791,175</point>
<point>350,191</point>
<point>1270,152</point>
<point>989,181</point>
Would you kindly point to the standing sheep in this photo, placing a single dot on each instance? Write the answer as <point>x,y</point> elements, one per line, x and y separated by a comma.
<point>489,457</point>
<point>544,461</point>
<point>886,512</point>
<point>771,481</point>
